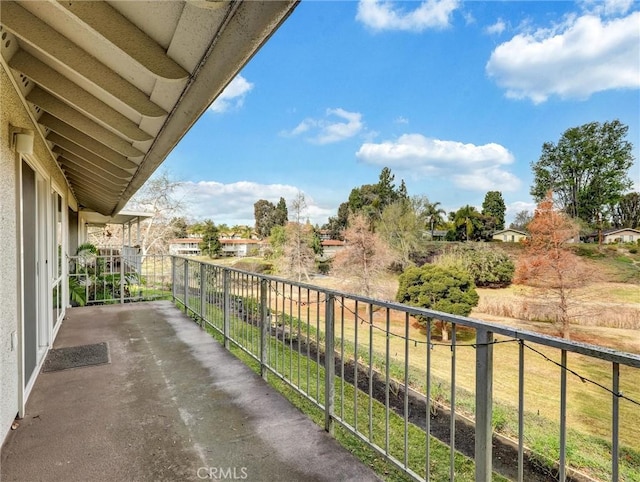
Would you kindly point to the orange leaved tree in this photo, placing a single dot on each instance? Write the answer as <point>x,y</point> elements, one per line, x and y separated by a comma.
<point>549,265</point>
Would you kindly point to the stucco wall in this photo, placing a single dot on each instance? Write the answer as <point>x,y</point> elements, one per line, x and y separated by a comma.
<point>13,112</point>
<point>8,260</point>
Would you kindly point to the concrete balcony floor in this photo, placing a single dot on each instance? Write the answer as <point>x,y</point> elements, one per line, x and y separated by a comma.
<point>172,405</point>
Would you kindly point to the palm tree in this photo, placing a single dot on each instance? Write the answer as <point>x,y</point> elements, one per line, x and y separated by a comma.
<point>469,218</point>
<point>433,214</point>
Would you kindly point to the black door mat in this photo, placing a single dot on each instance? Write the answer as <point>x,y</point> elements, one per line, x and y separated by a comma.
<point>76,357</point>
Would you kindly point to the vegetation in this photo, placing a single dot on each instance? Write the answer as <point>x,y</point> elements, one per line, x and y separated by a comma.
<point>268,215</point>
<point>450,290</point>
<point>158,197</point>
<point>521,220</point>
<point>587,169</point>
<point>549,264</point>
<point>210,244</point>
<point>364,259</point>
<point>626,213</point>
<point>401,225</point>
<point>297,248</point>
<point>488,267</point>
<point>494,207</point>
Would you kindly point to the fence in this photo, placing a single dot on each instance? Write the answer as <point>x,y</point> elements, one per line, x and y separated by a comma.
<point>371,367</point>
<point>115,278</point>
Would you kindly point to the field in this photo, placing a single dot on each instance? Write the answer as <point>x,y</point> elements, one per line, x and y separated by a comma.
<point>608,314</point>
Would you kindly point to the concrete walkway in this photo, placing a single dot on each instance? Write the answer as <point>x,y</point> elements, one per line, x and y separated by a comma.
<point>172,405</point>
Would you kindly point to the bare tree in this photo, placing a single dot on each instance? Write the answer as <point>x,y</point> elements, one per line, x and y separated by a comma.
<point>549,265</point>
<point>365,258</point>
<point>298,257</point>
<point>158,197</point>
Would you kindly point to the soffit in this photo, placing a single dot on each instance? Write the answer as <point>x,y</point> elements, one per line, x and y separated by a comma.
<point>114,85</point>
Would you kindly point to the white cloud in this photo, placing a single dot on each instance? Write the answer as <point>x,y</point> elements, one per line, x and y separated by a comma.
<point>515,207</point>
<point>338,125</point>
<point>385,15</point>
<point>232,97</point>
<point>575,59</point>
<point>608,7</point>
<point>401,120</point>
<point>497,28</point>
<point>233,203</point>
<point>467,165</point>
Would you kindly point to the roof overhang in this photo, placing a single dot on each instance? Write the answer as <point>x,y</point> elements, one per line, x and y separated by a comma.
<point>93,218</point>
<point>114,85</point>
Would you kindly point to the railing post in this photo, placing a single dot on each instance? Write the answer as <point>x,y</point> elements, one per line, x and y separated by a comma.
<point>225,306</point>
<point>203,293</point>
<point>121,280</point>
<point>329,363</point>
<point>173,278</point>
<point>484,405</point>
<point>186,286</point>
<point>264,328</point>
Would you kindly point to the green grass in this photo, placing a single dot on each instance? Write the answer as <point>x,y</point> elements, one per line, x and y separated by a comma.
<point>587,452</point>
<point>305,373</point>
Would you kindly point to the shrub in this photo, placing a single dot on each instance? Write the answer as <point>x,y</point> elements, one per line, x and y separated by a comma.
<point>487,267</point>
<point>450,290</point>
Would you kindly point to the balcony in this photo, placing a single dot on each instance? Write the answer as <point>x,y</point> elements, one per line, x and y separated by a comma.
<point>172,404</point>
<point>173,400</point>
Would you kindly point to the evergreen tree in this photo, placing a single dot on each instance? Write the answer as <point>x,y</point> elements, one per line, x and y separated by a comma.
<point>493,205</point>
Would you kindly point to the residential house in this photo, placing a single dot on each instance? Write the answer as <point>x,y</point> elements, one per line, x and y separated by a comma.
<point>185,246</point>
<point>94,96</point>
<point>616,235</point>
<point>510,235</point>
<point>330,247</point>
<point>239,247</point>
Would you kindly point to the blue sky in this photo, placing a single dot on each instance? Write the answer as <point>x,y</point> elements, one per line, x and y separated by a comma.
<point>455,97</point>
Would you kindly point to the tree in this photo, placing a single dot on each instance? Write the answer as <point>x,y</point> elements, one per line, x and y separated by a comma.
<point>587,169</point>
<point>158,197</point>
<point>371,199</point>
<point>468,223</point>
<point>434,215</point>
<point>210,244</point>
<point>180,227</point>
<point>626,213</point>
<point>337,224</point>
<point>298,255</point>
<point>263,212</point>
<point>487,266</point>
<point>521,220</point>
<point>401,225</point>
<point>281,214</point>
<point>364,259</point>
<point>493,205</point>
<point>450,290</point>
<point>548,264</point>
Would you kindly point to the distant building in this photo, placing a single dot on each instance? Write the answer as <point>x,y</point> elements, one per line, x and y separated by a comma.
<point>510,235</point>
<point>238,247</point>
<point>185,246</point>
<point>330,247</point>
<point>436,235</point>
<point>618,235</point>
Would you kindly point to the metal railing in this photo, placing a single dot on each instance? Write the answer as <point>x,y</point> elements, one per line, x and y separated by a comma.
<point>116,278</point>
<point>372,365</point>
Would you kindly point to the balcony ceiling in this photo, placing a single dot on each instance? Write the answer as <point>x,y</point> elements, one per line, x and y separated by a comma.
<point>114,85</point>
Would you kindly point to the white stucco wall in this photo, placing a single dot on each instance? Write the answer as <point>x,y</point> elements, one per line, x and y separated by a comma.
<point>8,259</point>
<point>14,112</point>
